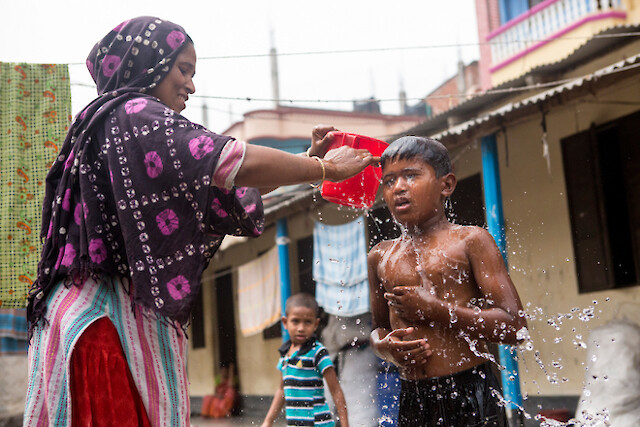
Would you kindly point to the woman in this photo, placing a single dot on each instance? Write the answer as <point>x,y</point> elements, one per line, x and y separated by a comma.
<point>137,202</point>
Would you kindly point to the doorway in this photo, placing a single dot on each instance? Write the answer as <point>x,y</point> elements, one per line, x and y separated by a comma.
<point>225,312</point>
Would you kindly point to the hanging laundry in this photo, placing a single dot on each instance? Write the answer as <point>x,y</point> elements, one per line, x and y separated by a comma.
<point>259,293</point>
<point>35,108</point>
<point>13,331</point>
<point>340,268</point>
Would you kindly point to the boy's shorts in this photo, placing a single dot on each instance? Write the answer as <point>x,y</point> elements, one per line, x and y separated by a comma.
<point>466,399</point>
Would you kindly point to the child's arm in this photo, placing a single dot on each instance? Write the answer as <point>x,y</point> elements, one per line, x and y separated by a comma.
<point>276,406</point>
<point>499,321</point>
<point>388,343</point>
<point>331,378</point>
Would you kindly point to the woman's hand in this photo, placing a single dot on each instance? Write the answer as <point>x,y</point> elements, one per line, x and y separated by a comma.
<point>345,162</point>
<point>321,139</point>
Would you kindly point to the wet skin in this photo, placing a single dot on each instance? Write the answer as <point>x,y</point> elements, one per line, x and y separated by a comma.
<point>440,291</point>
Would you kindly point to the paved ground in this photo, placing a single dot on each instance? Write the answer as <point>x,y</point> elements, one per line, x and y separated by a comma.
<point>244,421</point>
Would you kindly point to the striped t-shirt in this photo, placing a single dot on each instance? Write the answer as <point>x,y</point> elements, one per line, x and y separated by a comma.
<point>302,374</point>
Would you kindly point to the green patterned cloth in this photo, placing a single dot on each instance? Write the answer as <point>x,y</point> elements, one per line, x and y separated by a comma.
<point>35,113</point>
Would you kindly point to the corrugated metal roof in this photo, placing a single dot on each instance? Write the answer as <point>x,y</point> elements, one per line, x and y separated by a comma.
<point>570,86</point>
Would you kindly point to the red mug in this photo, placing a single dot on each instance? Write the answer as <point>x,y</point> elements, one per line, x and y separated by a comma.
<point>358,191</point>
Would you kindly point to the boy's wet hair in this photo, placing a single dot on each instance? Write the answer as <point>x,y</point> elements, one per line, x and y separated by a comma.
<point>301,300</point>
<point>428,150</point>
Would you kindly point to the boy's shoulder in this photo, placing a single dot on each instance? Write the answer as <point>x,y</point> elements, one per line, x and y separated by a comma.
<point>474,233</point>
<point>468,231</point>
<point>383,245</point>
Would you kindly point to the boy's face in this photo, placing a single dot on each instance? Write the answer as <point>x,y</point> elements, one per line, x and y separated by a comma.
<point>301,323</point>
<point>412,192</point>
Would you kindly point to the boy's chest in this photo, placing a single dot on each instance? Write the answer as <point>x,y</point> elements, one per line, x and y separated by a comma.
<point>442,268</point>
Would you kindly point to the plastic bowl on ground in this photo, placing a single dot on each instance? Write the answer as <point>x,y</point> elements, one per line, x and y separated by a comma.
<point>360,190</point>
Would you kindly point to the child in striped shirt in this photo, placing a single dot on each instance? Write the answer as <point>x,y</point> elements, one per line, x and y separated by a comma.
<point>304,363</point>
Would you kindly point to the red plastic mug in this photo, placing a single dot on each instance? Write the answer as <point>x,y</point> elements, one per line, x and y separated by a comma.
<point>358,191</point>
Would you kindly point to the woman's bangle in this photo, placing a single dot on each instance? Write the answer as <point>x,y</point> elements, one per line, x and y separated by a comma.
<point>323,172</point>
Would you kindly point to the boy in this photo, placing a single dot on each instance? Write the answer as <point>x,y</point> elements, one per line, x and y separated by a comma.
<point>304,362</point>
<point>439,292</point>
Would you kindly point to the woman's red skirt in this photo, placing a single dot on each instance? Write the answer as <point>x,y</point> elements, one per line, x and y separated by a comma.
<point>102,389</point>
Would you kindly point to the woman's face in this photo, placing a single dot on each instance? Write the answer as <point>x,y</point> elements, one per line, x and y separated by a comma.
<point>175,88</point>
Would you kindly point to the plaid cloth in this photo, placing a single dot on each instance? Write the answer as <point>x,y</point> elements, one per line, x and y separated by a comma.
<point>340,268</point>
<point>13,331</point>
<point>35,107</point>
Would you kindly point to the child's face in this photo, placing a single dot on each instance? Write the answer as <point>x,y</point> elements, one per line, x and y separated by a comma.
<point>301,323</point>
<point>412,192</point>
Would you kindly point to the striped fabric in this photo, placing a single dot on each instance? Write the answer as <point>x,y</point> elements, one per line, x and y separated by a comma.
<point>155,351</point>
<point>229,162</point>
<point>259,293</point>
<point>340,268</point>
<point>302,373</point>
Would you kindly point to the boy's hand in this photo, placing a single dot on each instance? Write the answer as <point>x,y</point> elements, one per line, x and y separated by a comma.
<point>405,353</point>
<point>413,303</point>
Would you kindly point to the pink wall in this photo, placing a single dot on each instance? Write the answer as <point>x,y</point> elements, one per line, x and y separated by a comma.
<point>488,16</point>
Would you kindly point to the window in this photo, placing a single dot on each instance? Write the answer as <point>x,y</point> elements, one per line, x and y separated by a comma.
<point>225,308</point>
<point>602,173</point>
<point>467,202</point>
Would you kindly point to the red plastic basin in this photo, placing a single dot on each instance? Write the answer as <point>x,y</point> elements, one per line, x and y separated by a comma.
<point>358,191</point>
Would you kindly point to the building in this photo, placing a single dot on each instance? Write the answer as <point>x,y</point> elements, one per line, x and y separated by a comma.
<point>215,335</point>
<point>556,124</point>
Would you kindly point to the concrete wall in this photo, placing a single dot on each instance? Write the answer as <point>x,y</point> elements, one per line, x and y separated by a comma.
<point>297,123</point>
<point>13,387</point>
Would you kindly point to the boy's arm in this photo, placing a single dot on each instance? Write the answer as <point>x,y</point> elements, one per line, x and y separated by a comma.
<point>331,378</point>
<point>501,322</point>
<point>387,343</point>
<point>276,406</point>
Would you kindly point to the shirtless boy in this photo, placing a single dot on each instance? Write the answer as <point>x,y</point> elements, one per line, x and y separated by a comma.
<point>439,293</point>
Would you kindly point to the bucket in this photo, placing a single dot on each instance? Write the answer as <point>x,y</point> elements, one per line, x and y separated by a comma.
<point>358,191</point>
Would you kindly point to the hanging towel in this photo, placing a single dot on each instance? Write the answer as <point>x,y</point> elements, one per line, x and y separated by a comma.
<point>340,268</point>
<point>13,331</point>
<point>35,108</point>
<point>259,293</point>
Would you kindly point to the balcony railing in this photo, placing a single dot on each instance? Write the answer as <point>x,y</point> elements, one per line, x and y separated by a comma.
<point>545,22</point>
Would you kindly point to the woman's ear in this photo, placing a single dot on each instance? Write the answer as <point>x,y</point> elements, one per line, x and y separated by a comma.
<point>449,182</point>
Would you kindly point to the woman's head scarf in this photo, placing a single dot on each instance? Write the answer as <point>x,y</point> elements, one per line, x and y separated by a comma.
<point>82,228</point>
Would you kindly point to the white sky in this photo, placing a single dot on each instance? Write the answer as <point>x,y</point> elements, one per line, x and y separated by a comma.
<point>64,32</point>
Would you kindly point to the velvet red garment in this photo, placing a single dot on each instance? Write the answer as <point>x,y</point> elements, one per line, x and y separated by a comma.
<point>102,389</point>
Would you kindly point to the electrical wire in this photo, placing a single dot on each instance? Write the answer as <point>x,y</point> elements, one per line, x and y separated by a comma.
<point>405,48</point>
<point>422,98</point>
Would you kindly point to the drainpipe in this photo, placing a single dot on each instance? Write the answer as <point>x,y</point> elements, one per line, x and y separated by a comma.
<point>495,221</point>
<point>282,240</point>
